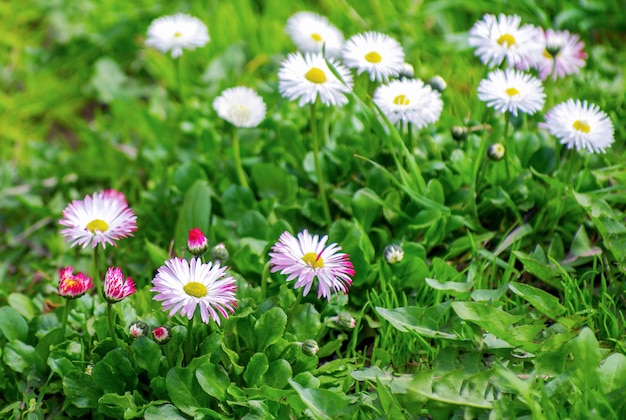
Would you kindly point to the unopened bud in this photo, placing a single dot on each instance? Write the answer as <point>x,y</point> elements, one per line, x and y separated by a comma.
<point>437,83</point>
<point>197,243</point>
<point>162,335</point>
<point>219,254</point>
<point>139,328</point>
<point>345,320</point>
<point>406,71</point>
<point>310,347</point>
<point>393,253</point>
<point>459,133</point>
<point>496,151</point>
<point>89,369</point>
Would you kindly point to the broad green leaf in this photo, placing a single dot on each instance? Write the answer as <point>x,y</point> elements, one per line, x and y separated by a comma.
<point>60,362</point>
<point>270,327</point>
<point>612,373</point>
<point>366,207</point>
<point>195,212</point>
<point>165,411</point>
<point>237,200</point>
<point>118,406</point>
<point>80,389</point>
<point>323,403</point>
<point>306,322</point>
<point>213,380</point>
<point>147,355</point>
<point>12,325</point>
<point>586,354</point>
<point>115,373</point>
<point>540,269</point>
<point>157,254</point>
<point>253,224</point>
<point>544,302</point>
<point>452,287</point>
<point>423,321</point>
<point>185,391</point>
<point>278,374</point>
<point>273,181</point>
<point>19,356</point>
<point>491,319</point>
<point>23,305</point>
<point>186,174</point>
<point>389,403</point>
<point>423,386</point>
<point>257,366</point>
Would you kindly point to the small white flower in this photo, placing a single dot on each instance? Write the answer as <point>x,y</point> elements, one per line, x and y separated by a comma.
<point>173,33</point>
<point>305,77</point>
<point>580,125</point>
<point>512,91</point>
<point>502,38</point>
<point>310,31</point>
<point>240,106</point>
<point>563,55</point>
<point>377,54</point>
<point>409,100</point>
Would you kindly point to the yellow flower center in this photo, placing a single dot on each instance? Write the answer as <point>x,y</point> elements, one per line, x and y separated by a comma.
<point>195,289</point>
<point>315,75</point>
<point>512,91</point>
<point>401,100</point>
<point>313,260</point>
<point>582,126</point>
<point>373,57</point>
<point>69,284</point>
<point>239,113</point>
<point>97,224</point>
<point>316,37</point>
<point>177,34</point>
<point>506,39</point>
<point>547,54</point>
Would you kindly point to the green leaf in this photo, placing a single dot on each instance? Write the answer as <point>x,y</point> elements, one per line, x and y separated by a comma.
<point>270,327</point>
<point>23,305</point>
<point>586,354</point>
<point>237,200</point>
<point>115,373</point>
<point>278,374</point>
<point>306,322</point>
<point>452,287</point>
<point>491,319</point>
<point>366,207</point>
<point>612,373</point>
<point>165,411</point>
<point>253,224</point>
<point>118,406</point>
<point>544,302</point>
<point>257,366</point>
<point>147,355</point>
<point>157,254</point>
<point>80,389</point>
<point>423,321</point>
<point>390,405</point>
<point>541,269</point>
<point>323,403</point>
<point>213,380</point>
<point>12,325</point>
<point>185,391</point>
<point>273,181</point>
<point>195,212</point>
<point>19,356</point>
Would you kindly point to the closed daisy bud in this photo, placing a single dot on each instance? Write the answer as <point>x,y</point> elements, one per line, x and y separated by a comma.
<point>345,320</point>
<point>219,254</point>
<point>496,151</point>
<point>138,329</point>
<point>116,287</point>
<point>459,133</point>
<point>437,83</point>
<point>162,335</point>
<point>197,243</point>
<point>406,71</point>
<point>393,253</point>
<point>310,347</point>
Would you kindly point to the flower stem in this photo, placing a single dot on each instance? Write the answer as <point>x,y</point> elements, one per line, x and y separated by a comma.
<point>318,166</point>
<point>264,277</point>
<point>189,340</point>
<point>111,322</point>
<point>179,82</point>
<point>509,147</point>
<point>66,315</point>
<point>237,156</point>
<point>293,311</point>
<point>96,272</point>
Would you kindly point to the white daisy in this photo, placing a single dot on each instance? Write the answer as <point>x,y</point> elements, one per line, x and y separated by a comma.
<point>580,125</point>
<point>173,33</point>
<point>563,54</point>
<point>512,91</point>
<point>310,31</point>
<point>305,77</point>
<point>502,38</point>
<point>240,106</point>
<point>378,54</point>
<point>409,100</point>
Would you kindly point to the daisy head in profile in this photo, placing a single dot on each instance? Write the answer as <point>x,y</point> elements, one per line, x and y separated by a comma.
<point>306,258</point>
<point>410,101</point>
<point>307,77</point>
<point>103,218</point>
<point>241,106</point>
<point>311,33</point>
<point>177,32</point>
<point>504,38</point>
<point>512,91</point>
<point>563,55</point>
<point>580,125</point>
<point>374,53</point>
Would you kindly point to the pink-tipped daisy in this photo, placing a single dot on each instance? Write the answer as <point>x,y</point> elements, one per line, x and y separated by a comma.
<point>310,32</point>
<point>580,125</point>
<point>512,91</point>
<point>183,286</point>
<point>197,243</point>
<point>116,287</point>
<point>101,219</point>
<point>306,77</point>
<point>501,38</point>
<point>563,55</point>
<point>73,285</point>
<point>173,33</point>
<point>306,257</point>
<point>375,53</point>
<point>409,100</point>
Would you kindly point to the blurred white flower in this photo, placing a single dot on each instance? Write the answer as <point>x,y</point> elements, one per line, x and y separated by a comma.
<point>513,91</point>
<point>409,100</point>
<point>563,55</point>
<point>375,53</point>
<point>173,33</point>
<point>240,106</point>
<point>310,31</point>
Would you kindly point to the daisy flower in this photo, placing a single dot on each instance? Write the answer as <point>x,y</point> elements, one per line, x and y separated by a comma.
<point>173,33</point>
<point>377,54</point>
<point>512,91</point>
<point>409,100</point>
<point>306,257</point>
<point>240,106</point>
<point>101,219</point>
<point>503,38</point>
<point>183,285</point>
<point>563,55</point>
<point>73,285</point>
<point>197,243</point>
<point>116,287</point>
<point>580,125</point>
<point>305,77</point>
<point>310,31</point>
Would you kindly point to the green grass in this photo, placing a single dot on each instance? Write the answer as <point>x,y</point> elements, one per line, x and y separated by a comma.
<point>509,300</point>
